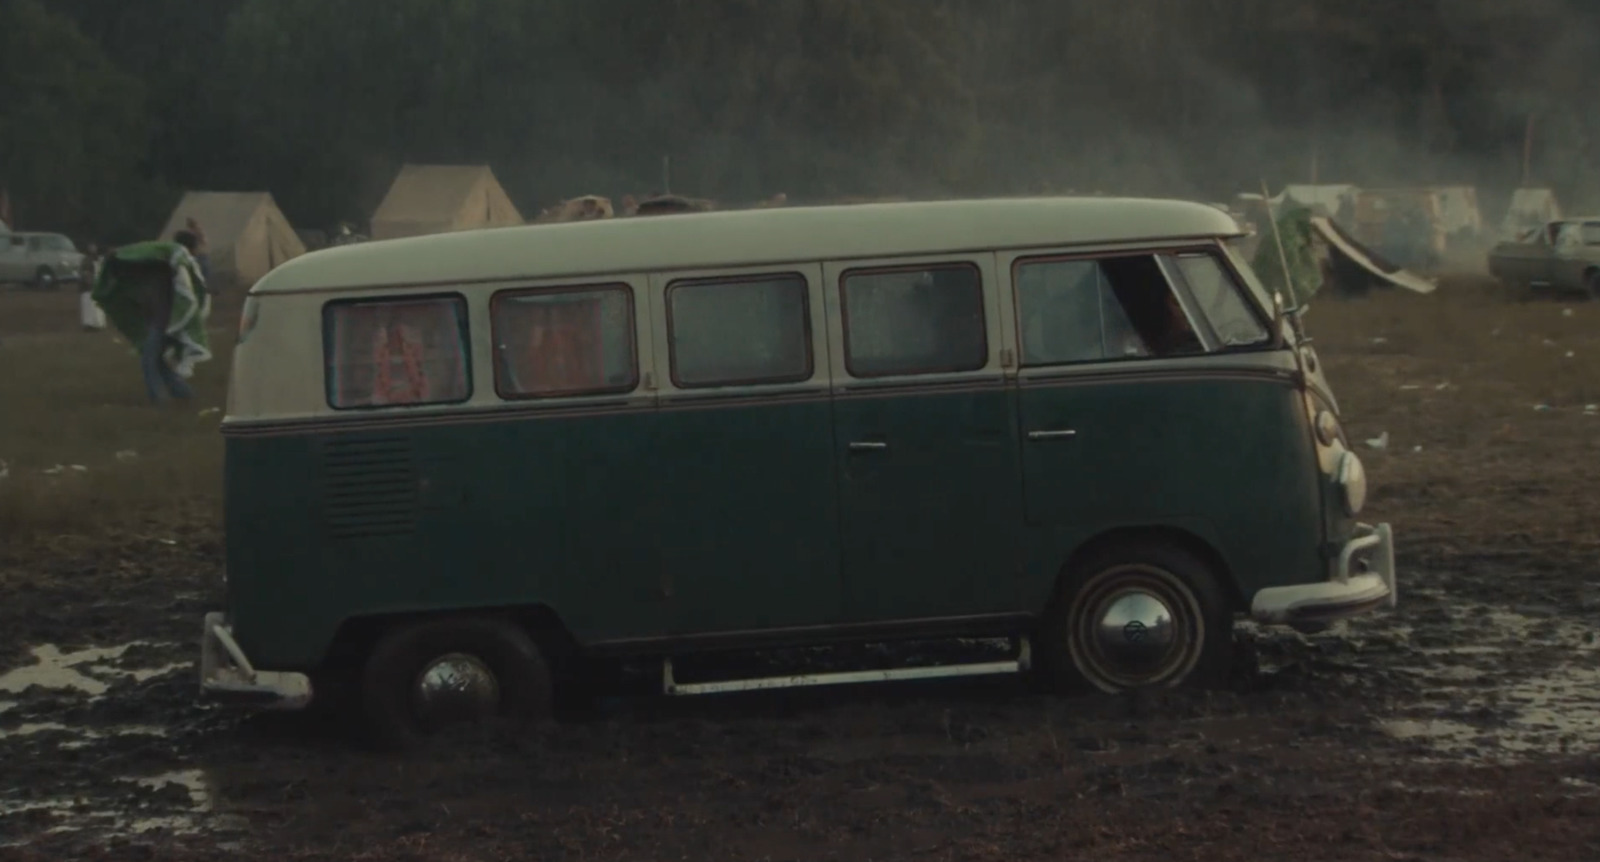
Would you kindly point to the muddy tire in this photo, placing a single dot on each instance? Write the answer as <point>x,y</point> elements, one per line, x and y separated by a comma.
<point>44,279</point>
<point>1136,617</point>
<point>421,678</point>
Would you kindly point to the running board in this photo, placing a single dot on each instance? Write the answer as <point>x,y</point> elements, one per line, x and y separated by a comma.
<point>1020,664</point>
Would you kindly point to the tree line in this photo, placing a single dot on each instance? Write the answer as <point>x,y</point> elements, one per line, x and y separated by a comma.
<point>111,109</point>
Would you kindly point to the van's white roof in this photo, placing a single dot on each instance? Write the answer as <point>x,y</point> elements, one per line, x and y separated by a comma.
<point>746,238</point>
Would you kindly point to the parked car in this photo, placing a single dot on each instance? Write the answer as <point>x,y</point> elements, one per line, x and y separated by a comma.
<point>1563,256</point>
<point>42,260</point>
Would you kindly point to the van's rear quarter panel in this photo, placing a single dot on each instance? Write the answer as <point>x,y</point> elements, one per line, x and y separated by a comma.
<point>327,526</point>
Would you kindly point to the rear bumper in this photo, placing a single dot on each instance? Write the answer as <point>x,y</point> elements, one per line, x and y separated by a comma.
<point>1364,581</point>
<point>227,676</point>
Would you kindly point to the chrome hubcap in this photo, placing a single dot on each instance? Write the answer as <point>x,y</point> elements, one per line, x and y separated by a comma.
<point>1135,626</point>
<point>455,687</point>
<point>1136,631</point>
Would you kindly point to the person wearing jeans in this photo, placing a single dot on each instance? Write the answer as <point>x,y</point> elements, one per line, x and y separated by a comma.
<point>157,297</point>
<point>160,380</point>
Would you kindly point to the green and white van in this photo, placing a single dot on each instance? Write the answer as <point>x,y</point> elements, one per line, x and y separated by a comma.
<point>466,470</point>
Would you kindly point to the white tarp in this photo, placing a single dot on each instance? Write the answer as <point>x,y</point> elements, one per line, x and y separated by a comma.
<point>1358,254</point>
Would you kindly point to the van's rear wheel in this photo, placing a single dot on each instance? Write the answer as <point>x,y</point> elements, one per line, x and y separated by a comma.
<point>426,677</point>
<point>1132,617</point>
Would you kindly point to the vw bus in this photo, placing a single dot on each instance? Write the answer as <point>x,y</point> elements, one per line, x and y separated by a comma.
<point>463,471</point>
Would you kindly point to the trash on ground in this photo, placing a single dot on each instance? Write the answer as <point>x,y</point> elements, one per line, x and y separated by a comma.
<point>1379,442</point>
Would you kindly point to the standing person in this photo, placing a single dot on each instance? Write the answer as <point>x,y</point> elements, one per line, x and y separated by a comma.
<point>90,315</point>
<point>156,296</point>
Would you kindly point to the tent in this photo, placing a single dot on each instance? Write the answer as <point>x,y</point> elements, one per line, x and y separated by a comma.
<point>428,199</point>
<point>1405,224</point>
<point>1327,199</point>
<point>1530,208</point>
<point>246,234</point>
<point>1458,210</point>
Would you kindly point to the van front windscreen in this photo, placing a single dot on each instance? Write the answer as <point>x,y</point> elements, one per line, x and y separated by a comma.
<point>1252,282</point>
<point>1220,301</point>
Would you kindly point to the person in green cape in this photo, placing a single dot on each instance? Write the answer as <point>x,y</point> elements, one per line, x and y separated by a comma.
<point>155,294</point>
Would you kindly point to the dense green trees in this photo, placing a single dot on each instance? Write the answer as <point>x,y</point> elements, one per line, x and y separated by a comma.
<point>110,107</point>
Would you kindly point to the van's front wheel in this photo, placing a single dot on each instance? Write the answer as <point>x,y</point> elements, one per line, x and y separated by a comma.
<point>1137,617</point>
<point>425,677</point>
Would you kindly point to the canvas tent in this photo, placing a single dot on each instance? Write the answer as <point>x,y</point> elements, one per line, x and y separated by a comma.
<point>428,199</point>
<point>1336,200</point>
<point>1458,210</point>
<point>246,234</point>
<point>1530,208</point>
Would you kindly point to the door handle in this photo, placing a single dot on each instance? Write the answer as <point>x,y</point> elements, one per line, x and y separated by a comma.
<point>1052,435</point>
<point>867,445</point>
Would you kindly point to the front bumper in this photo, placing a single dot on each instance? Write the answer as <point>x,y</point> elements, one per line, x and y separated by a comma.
<point>1363,582</point>
<point>226,674</point>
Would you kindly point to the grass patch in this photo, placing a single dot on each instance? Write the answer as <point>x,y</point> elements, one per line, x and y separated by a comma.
<point>86,453</point>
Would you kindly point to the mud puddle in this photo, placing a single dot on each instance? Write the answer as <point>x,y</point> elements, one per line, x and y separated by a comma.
<point>94,741</point>
<point>1487,683</point>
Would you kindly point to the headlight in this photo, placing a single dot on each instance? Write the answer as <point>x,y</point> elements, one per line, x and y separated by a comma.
<point>1352,479</point>
<point>1328,430</point>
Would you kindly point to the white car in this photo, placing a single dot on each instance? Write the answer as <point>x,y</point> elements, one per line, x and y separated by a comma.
<point>1562,256</point>
<point>43,260</point>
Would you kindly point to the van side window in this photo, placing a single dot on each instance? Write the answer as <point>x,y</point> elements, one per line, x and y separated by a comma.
<point>739,332</point>
<point>564,342</point>
<point>1217,294</point>
<point>927,320</point>
<point>396,352</point>
<point>1088,310</point>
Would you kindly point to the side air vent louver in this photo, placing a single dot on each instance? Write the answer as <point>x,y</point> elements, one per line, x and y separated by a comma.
<point>369,487</point>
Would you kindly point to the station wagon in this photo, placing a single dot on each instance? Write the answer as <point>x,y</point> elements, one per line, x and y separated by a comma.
<point>469,470</point>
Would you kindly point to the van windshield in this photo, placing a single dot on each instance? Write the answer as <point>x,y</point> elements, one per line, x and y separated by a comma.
<point>1213,288</point>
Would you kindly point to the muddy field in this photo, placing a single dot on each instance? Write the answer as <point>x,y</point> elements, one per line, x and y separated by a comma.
<point>1463,726</point>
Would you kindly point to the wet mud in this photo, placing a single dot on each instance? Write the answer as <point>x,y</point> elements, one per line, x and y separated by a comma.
<point>1403,733</point>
